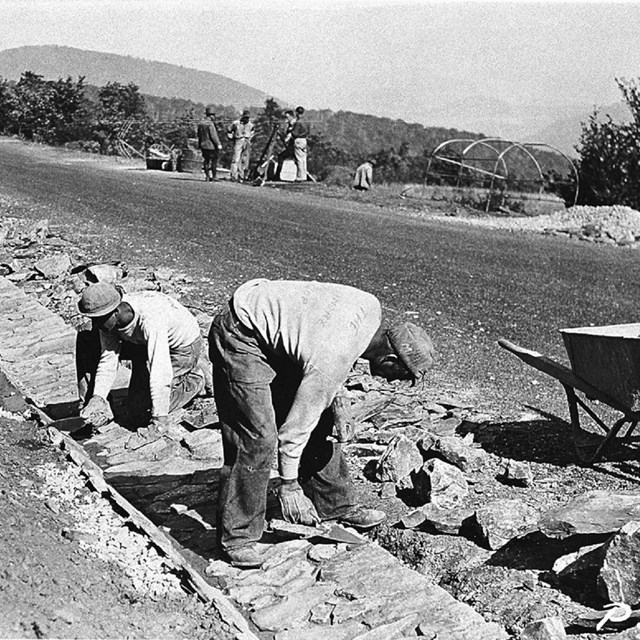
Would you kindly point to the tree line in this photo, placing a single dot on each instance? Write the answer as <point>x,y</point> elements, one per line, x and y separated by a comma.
<point>68,111</point>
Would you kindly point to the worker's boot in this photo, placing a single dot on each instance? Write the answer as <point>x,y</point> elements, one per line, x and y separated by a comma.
<point>244,557</point>
<point>362,519</point>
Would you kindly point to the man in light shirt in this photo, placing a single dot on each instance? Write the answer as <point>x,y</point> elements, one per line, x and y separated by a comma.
<point>162,340</point>
<point>281,351</point>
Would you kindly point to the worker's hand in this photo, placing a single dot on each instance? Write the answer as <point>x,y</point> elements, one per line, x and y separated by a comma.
<point>344,426</point>
<point>97,412</point>
<point>296,507</point>
<point>161,423</point>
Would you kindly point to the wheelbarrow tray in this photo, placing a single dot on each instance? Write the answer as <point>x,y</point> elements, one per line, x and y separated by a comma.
<point>608,358</point>
<point>605,366</point>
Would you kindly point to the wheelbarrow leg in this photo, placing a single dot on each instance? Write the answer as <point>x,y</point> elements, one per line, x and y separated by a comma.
<point>613,432</point>
<point>575,423</point>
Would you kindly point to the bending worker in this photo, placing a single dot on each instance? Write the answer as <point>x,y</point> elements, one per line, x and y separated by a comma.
<point>162,340</point>
<point>281,351</point>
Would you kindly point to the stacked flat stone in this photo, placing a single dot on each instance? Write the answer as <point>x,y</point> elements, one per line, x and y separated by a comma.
<point>37,351</point>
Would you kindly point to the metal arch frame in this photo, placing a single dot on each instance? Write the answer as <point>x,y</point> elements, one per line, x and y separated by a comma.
<point>461,164</point>
<point>576,175</point>
<point>513,145</point>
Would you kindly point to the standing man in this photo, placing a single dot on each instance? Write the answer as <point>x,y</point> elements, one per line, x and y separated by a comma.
<point>241,131</point>
<point>281,351</point>
<point>209,144</point>
<point>162,340</point>
<point>296,140</point>
<point>363,179</point>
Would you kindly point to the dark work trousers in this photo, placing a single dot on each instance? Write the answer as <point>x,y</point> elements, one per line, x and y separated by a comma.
<point>210,161</point>
<point>188,375</point>
<point>254,391</point>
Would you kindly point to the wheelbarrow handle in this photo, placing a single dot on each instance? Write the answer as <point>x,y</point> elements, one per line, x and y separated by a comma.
<point>517,349</point>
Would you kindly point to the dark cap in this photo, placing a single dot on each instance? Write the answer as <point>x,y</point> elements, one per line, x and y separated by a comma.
<point>413,346</point>
<point>246,114</point>
<point>99,299</point>
<point>209,111</point>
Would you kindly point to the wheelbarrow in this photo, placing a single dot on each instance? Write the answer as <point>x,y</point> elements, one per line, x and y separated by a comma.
<point>605,368</point>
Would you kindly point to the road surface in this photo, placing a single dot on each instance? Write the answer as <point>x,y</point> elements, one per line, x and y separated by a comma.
<point>467,286</point>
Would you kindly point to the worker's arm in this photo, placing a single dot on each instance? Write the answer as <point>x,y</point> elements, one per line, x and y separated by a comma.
<point>160,369</point>
<point>314,395</point>
<point>214,135</point>
<point>108,364</point>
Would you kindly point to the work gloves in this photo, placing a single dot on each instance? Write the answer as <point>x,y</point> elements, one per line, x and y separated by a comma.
<point>296,507</point>
<point>97,412</point>
<point>344,426</point>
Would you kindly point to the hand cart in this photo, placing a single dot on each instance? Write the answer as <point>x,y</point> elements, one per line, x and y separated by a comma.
<point>605,368</point>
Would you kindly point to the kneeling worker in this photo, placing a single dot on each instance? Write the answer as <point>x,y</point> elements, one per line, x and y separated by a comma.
<point>162,340</point>
<point>281,351</point>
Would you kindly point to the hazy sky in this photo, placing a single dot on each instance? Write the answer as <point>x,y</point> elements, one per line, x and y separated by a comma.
<point>381,57</point>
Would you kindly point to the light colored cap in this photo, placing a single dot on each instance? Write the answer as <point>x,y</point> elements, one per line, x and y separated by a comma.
<point>99,299</point>
<point>413,346</point>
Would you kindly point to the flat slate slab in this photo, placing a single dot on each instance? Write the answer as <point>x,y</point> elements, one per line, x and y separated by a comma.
<point>37,352</point>
<point>594,512</point>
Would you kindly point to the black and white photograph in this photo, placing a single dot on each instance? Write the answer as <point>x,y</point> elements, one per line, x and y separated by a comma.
<point>319,320</point>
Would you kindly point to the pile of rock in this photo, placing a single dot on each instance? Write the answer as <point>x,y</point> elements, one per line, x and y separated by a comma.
<point>615,224</point>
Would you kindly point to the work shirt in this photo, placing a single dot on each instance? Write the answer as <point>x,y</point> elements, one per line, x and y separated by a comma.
<point>208,135</point>
<point>239,129</point>
<point>322,327</point>
<point>162,324</point>
<point>299,129</point>
<point>364,176</point>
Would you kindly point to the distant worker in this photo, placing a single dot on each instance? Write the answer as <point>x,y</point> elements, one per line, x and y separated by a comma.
<point>363,180</point>
<point>241,131</point>
<point>296,140</point>
<point>160,337</point>
<point>209,144</point>
<point>281,351</point>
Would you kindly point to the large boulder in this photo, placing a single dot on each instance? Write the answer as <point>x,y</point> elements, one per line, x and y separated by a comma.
<point>619,576</point>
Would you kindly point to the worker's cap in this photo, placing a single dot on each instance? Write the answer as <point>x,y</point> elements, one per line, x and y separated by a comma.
<point>299,110</point>
<point>99,299</point>
<point>413,346</point>
<point>209,111</point>
<point>246,113</point>
<point>372,162</point>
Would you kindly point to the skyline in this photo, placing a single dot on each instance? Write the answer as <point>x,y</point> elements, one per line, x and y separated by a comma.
<point>413,60</point>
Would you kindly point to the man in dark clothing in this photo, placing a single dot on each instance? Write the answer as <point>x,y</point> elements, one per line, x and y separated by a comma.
<point>209,144</point>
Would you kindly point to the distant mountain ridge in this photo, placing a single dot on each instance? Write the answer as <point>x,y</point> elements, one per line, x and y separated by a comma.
<point>155,78</point>
<point>554,124</point>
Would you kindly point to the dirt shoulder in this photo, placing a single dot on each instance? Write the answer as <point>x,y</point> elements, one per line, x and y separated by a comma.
<point>71,567</point>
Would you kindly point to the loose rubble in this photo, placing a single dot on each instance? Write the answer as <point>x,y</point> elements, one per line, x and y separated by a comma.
<point>616,225</point>
<point>453,500</point>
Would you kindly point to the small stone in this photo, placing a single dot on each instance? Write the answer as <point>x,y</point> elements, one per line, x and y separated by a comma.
<point>500,521</point>
<point>321,552</point>
<point>551,628</point>
<point>53,266</point>
<point>461,452</point>
<point>441,484</point>
<point>518,473</point>
<point>399,460</point>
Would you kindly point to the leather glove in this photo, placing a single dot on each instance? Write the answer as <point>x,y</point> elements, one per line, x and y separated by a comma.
<point>344,426</point>
<point>296,507</point>
<point>97,412</point>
